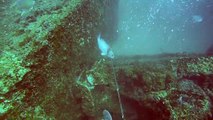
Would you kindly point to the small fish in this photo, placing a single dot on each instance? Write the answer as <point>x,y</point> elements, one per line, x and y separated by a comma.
<point>104,47</point>
<point>197,18</point>
<point>24,6</point>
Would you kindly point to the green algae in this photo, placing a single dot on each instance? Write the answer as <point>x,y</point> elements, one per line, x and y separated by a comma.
<point>12,71</point>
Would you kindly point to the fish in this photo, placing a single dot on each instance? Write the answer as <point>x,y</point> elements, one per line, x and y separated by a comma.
<point>104,47</point>
<point>24,6</point>
<point>197,18</point>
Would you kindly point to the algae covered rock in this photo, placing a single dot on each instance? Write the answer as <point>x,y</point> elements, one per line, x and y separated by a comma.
<point>167,88</point>
<point>45,47</point>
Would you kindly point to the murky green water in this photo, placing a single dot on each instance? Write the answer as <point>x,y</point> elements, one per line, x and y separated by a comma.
<point>164,26</point>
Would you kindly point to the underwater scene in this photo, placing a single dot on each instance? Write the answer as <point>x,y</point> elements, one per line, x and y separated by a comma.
<point>106,59</point>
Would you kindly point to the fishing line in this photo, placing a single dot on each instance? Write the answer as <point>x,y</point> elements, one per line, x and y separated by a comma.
<point>118,92</point>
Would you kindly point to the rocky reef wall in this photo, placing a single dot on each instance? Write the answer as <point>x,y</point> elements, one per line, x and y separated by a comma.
<point>49,60</point>
<point>167,87</point>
